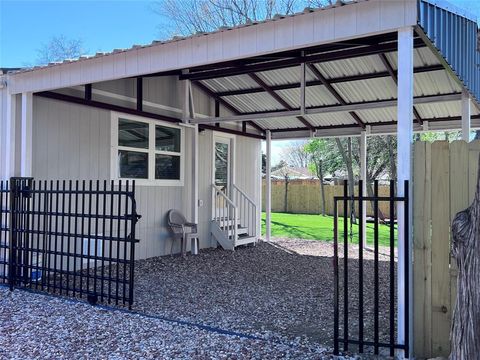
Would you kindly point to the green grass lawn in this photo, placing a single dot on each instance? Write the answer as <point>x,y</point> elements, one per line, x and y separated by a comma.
<point>317,227</point>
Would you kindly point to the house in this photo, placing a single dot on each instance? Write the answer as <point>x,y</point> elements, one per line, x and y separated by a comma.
<point>185,118</point>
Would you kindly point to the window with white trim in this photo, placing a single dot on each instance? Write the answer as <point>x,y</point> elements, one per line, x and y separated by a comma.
<point>148,151</point>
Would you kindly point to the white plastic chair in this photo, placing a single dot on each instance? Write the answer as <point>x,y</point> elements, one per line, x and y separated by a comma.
<point>183,230</point>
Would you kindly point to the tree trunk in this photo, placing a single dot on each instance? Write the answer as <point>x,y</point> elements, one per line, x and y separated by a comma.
<point>347,158</point>
<point>465,332</point>
<point>286,195</point>
<point>391,159</point>
<point>322,188</point>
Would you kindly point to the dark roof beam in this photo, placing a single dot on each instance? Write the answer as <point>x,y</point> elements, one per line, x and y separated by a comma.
<point>280,64</point>
<point>279,99</point>
<point>380,123</point>
<point>335,93</point>
<point>331,81</point>
<point>229,106</point>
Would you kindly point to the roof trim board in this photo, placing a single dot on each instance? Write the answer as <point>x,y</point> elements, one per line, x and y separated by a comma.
<point>312,28</point>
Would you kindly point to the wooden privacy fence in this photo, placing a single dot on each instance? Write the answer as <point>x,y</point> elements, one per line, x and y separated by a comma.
<point>304,197</point>
<point>445,175</point>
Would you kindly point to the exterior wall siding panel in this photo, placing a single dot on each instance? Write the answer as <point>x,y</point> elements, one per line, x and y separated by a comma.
<point>3,119</point>
<point>73,142</point>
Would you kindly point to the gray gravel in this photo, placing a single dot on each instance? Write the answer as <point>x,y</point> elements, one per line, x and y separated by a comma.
<point>280,293</point>
<point>36,326</point>
<point>281,290</point>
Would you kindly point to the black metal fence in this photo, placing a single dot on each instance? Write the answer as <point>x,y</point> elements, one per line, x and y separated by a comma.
<point>372,279</point>
<point>71,238</point>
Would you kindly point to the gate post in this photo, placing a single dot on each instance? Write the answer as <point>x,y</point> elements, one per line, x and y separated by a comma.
<point>12,241</point>
<point>18,208</point>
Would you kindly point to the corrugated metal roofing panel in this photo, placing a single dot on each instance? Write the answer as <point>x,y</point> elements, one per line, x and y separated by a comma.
<point>421,57</point>
<point>378,115</point>
<point>254,102</point>
<point>315,96</point>
<point>367,90</point>
<point>289,75</point>
<point>236,82</point>
<point>439,110</point>
<point>318,96</point>
<point>329,119</point>
<point>281,123</point>
<point>433,83</point>
<point>347,67</point>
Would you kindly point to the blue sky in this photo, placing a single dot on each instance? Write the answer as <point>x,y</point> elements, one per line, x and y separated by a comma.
<point>101,25</point>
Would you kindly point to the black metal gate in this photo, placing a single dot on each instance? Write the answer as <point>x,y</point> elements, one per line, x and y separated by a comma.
<point>373,323</point>
<point>71,238</point>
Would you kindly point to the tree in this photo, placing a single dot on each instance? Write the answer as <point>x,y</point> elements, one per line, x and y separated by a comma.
<point>281,164</point>
<point>200,16</point>
<point>322,158</point>
<point>264,163</point>
<point>379,161</point>
<point>345,148</point>
<point>296,155</point>
<point>286,177</point>
<point>60,48</point>
<point>466,251</point>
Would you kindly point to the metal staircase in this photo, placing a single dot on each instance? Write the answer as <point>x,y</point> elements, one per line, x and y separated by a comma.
<point>234,220</point>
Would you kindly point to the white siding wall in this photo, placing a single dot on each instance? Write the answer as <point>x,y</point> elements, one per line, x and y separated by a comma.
<point>3,119</point>
<point>73,142</point>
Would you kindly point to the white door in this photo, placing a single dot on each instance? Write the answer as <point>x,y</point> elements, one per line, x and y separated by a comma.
<point>222,166</point>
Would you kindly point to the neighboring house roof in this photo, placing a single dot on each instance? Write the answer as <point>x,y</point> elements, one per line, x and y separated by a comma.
<point>292,173</point>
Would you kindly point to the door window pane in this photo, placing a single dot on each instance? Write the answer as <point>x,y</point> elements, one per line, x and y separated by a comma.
<point>167,167</point>
<point>132,134</point>
<point>221,164</point>
<point>167,139</point>
<point>133,164</point>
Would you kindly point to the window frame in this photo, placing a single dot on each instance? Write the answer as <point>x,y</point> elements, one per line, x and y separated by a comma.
<point>151,151</point>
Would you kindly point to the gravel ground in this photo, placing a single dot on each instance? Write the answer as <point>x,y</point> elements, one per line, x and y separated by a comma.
<point>36,326</point>
<point>279,293</point>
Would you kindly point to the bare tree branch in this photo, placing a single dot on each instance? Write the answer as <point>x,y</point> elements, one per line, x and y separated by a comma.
<point>60,48</point>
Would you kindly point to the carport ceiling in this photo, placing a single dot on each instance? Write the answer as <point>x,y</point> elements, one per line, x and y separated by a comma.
<point>347,85</point>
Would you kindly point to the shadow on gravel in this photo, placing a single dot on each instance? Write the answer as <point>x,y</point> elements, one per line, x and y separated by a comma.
<point>270,290</point>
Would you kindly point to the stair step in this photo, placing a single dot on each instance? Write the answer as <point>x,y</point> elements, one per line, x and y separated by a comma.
<point>240,231</point>
<point>244,240</point>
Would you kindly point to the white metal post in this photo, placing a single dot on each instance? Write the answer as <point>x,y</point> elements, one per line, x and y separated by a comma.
<point>195,174</point>
<point>363,177</point>
<point>26,135</point>
<point>404,151</point>
<point>466,115</point>
<point>268,195</point>
<point>186,101</point>
<point>9,167</point>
